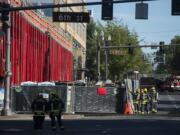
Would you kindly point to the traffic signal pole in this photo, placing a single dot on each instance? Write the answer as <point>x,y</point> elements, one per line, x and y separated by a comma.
<point>67,5</point>
<point>137,46</point>
<point>7,110</point>
<point>6,28</point>
<point>106,61</point>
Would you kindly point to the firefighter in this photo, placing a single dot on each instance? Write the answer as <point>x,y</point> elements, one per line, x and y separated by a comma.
<point>55,108</point>
<point>154,100</point>
<point>38,107</point>
<point>136,96</point>
<point>142,100</point>
<point>147,100</point>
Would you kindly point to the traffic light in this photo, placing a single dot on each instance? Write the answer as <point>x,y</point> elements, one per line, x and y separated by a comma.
<point>141,11</point>
<point>175,7</point>
<point>130,49</point>
<point>5,14</point>
<point>107,9</point>
<point>161,47</point>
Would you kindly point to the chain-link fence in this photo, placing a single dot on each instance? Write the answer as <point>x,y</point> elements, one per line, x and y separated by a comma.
<point>77,99</point>
<point>88,100</point>
<point>22,97</point>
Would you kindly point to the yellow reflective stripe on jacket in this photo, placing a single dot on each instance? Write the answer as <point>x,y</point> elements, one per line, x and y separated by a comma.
<point>43,109</point>
<point>135,102</point>
<point>39,113</point>
<point>55,111</point>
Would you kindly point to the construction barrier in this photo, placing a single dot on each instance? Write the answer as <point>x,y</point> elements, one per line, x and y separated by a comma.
<point>77,99</point>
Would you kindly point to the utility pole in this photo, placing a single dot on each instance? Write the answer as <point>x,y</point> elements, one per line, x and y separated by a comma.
<point>98,54</point>
<point>107,42</point>
<point>106,61</point>
<point>98,61</point>
<point>6,28</point>
<point>138,46</point>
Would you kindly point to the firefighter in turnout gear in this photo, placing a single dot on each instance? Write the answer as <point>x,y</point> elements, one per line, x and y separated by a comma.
<point>136,96</point>
<point>55,108</point>
<point>142,100</point>
<point>154,100</point>
<point>147,100</point>
<point>38,107</point>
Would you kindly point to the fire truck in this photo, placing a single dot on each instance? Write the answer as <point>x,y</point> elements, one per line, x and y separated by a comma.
<point>172,83</point>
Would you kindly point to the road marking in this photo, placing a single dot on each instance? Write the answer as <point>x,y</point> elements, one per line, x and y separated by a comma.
<point>173,102</point>
<point>98,125</point>
<point>11,130</point>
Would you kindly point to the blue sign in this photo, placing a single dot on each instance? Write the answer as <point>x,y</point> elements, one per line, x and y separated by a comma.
<point>1,94</point>
<point>1,90</point>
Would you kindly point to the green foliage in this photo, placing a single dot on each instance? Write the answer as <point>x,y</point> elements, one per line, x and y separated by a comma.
<point>118,64</point>
<point>175,64</point>
<point>91,48</point>
<point>172,56</point>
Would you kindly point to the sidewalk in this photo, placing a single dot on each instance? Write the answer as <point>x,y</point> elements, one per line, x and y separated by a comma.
<point>81,116</point>
<point>30,116</point>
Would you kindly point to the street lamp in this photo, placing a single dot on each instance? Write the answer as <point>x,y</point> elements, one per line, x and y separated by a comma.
<point>102,35</point>
<point>109,38</point>
<point>106,43</point>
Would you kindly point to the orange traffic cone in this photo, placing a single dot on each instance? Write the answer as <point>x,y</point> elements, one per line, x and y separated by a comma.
<point>128,109</point>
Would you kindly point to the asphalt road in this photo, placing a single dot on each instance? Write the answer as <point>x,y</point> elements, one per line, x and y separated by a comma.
<point>169,103</point>
<point>99,126</point>
<point>166,122</point>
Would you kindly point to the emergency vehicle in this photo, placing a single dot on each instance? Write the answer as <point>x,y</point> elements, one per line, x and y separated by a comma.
<point>173,83</point>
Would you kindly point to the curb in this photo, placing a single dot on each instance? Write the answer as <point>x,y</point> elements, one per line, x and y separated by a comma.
<point>30,117</point>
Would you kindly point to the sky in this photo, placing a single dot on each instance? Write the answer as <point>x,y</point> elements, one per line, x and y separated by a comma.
<point>160,26</point>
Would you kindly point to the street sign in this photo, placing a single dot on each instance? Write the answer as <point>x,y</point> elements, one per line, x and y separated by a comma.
<point>118,52</point>
<point>74,17</point>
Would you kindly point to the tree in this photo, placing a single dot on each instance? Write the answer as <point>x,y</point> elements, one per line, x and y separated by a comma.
<point>91,49</point>
<point>172,56</point>
<point>118,65</point>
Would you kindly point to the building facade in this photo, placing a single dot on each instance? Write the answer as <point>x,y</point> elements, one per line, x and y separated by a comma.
<point>40,50</point>
<point>76,32</point>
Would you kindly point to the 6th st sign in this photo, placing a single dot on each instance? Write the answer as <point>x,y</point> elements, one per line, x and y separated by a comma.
<point>76,17</point>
